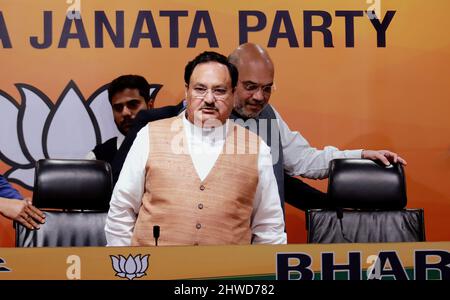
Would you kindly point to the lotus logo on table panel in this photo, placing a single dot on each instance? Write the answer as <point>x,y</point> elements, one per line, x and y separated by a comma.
<point>131,267</point>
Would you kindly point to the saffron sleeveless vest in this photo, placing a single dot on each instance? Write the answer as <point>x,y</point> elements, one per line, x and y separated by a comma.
<point>189,211</point>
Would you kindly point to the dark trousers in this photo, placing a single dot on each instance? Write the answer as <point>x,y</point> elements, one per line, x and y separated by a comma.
<point>302,196</point>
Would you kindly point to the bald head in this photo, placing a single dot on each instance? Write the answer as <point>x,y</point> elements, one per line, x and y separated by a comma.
<point>256,73</point>
<point>251,54</point>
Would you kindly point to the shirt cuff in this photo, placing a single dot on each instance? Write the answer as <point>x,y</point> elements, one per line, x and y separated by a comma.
<point>354,153</point>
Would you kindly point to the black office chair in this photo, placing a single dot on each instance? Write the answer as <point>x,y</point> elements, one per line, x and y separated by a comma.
<point>369,200</point>
<point>75,195</point>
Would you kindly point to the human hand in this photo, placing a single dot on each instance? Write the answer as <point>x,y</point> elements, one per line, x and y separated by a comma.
<point>23,212</point>
<point>385,156</point>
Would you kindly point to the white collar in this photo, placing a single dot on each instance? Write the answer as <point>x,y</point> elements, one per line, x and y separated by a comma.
<point>120,138</point>
<point>209,135</point>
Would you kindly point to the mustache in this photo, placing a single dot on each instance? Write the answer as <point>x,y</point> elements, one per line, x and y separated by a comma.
<point>212,106</point>
<point>255,103</point>
<point>127,122</point>
<point>260,103</point>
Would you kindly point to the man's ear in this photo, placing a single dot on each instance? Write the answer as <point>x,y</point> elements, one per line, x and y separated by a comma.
<point>151,104</point>
<point>186,88</point>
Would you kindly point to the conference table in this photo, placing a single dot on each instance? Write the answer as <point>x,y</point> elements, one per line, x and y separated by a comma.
<point>425,260</point>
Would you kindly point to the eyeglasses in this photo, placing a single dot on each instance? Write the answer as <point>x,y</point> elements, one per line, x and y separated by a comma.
<point>254,88</point>
<point>218,93</point>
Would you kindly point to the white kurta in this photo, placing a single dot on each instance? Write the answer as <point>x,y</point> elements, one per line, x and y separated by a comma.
<point>300,159</point>
<point>205,146</point>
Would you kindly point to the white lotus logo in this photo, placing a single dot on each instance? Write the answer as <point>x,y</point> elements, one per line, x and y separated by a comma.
<point>131,267</point>
<point>36,128</point>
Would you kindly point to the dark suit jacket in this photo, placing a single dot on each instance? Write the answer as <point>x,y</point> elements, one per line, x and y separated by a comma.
<point>106,151</point>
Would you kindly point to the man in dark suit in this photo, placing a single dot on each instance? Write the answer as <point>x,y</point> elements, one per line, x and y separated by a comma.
<point>128,95</point>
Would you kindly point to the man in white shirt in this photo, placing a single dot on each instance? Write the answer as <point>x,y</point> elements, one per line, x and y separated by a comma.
<point>291,152</point>
<point>199,193</point>
<point>128,95</point>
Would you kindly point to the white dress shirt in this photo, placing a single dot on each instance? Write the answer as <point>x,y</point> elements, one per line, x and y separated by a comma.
<point>91,154</point>
<point>300,159</point>
<point>204,146</point>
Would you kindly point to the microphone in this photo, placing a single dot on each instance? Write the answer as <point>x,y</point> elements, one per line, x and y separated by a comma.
<point>156,234</point>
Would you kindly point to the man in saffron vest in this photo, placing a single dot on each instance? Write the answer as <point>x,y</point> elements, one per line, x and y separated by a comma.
<point>198,176</point>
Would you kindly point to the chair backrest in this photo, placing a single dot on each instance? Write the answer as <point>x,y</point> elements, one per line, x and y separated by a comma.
<point>369,201</point>
<point>365,184</point>
<point>72,184</point>
<point>75,195</point>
